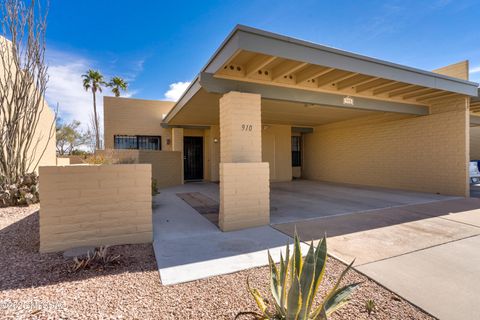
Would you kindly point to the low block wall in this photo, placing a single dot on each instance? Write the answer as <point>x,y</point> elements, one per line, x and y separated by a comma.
<point>166,165</point>
<point>244,195</point>
<point>89,205</point>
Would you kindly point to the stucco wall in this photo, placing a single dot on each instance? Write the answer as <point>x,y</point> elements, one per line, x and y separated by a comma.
<point>95,205</point>
<point>45,153</point>
<point>125,116</point>
<point>276,150</point>
<point>474,143</point>
<point>426,153</point>
<point>166,165</point>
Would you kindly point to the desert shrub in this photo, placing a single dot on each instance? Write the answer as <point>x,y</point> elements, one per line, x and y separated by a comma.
<point>125,161</point>
<point>154,187</point>
<point>295,284</point>
<point>97,259</point>
<point>24,192</point>
<point>99,159</point>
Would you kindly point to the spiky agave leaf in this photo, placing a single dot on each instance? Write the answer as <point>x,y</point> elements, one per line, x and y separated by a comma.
<point>320,263</point>
<point>306,281</point>
<point>332,292</point>
<point>297,253</point>
<point>284,278</point>
<point>259,300</point>
<point>339,298</point>
<point>294,299</point>
<point>274,282</point>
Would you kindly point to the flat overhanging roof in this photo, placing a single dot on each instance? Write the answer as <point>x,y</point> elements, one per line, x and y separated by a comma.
<point>252,60</point>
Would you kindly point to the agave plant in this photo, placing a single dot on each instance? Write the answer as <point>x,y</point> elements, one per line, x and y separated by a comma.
<point>295,284</point>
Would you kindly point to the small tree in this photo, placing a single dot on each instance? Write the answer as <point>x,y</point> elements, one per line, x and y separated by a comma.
<point>23,81</point>
<point>118,84</point>
<point>93,80</point>
<point>69,137</point>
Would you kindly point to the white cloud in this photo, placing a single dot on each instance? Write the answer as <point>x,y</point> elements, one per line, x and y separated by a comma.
<point>176,90</point>
<point>475,70</point>
<point>65,88</point>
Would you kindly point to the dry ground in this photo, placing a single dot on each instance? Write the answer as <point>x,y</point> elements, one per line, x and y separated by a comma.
<point>41,286</point>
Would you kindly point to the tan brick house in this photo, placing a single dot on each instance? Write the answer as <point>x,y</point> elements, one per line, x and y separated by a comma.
<point>272,108</point>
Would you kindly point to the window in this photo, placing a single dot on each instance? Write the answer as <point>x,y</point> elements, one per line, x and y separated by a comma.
<point>138,142</point>
<point>296,151</point>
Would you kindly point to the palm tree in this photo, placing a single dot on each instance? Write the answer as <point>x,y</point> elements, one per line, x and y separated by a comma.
<point>117,84</point>
<point>93,80</point>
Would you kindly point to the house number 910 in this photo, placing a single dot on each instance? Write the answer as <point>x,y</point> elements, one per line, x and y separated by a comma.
<point>247,127</point>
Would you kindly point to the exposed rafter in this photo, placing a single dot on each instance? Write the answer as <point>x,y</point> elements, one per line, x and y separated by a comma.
<point>333,76</point>
<point>437,95</point>
<point>286,68</point>
<point>419,93</point>
<point>257,63</point>
<point>353,81</point>
<point>372,84</point>
<point>391,87</point>
<point>311,72</point>
<point>408,89</point>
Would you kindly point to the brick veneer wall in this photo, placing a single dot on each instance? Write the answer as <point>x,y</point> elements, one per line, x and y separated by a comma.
<point>87,205</point>
<point>245,195</point>
<point>427,153</point>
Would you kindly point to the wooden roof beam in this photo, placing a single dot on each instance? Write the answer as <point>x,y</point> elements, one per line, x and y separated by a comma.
<point>311,72</point>
<point>419,93</point>
<point>286,68</point>
<point>372,85</point>
<point>390,87</point>
<point>333,76</point>
<point>257,63</point>
<point>354,81</point>
<point>408,89</point>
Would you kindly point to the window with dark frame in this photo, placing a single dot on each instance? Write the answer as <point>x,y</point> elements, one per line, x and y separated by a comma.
<point>137,142</point>
<point>296,151</point>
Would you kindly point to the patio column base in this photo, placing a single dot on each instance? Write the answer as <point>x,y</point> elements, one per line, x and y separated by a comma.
<point>244,195</point>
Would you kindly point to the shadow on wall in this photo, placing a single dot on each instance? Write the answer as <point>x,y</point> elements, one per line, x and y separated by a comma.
<point>22,266</point>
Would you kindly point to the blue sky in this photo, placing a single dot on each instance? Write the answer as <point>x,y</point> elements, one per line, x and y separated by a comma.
<point>161,45</point>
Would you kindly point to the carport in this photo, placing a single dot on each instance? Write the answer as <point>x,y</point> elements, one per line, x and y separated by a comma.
<point>361,121</point>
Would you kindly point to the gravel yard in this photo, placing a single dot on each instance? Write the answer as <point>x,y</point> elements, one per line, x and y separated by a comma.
<point>35,286</point>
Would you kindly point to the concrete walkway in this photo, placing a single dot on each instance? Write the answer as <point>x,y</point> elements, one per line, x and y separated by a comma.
<point>427,253</point>
<point>189,247</point>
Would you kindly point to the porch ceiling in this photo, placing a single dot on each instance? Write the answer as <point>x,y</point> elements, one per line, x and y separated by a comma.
<point>203,109</point>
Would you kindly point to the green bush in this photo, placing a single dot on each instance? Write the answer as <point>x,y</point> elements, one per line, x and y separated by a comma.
<point>295,284</point>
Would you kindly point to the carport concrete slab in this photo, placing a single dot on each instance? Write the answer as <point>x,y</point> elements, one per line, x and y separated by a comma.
<point>300,200</point>
<point>380,234</point>
<point>443,280</point>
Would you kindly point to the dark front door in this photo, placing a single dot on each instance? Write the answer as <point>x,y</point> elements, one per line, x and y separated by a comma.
<point>193,158</point>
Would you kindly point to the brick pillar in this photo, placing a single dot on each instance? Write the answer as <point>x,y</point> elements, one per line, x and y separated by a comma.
<point>177,143</point>
<point>244,179</point>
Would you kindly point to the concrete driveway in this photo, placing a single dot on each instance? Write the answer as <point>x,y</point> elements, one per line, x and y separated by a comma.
<point>428,253</point>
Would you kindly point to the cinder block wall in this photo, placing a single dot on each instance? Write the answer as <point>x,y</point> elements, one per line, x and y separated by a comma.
<point>474,143</point>
<point>95,205</point>
<point>426,153</point>
<point>166,165</point>
<point>245,195</point>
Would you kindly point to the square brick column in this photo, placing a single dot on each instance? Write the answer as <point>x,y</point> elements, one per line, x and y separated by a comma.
<point>244,179</point>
